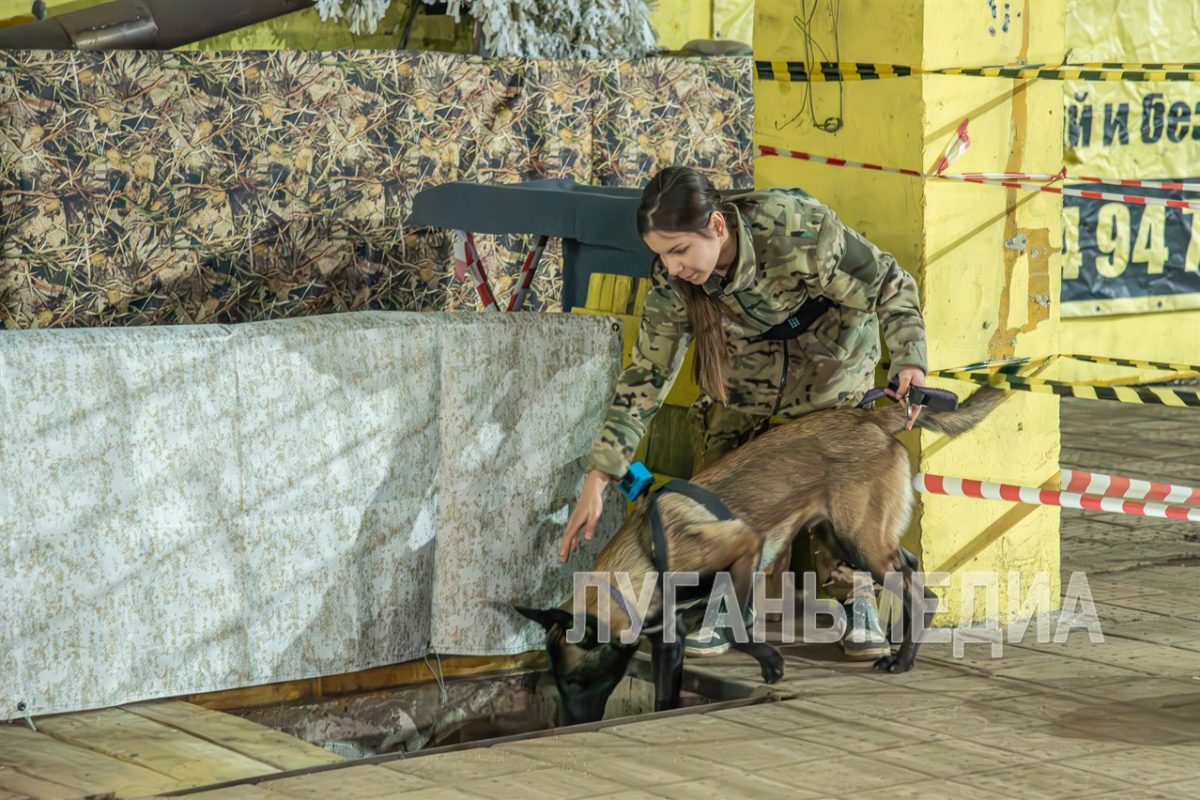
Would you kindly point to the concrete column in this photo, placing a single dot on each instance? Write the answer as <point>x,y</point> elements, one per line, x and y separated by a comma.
<point>986,258</point>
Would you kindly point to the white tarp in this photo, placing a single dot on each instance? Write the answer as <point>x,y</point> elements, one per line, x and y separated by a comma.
<point>193,508</point>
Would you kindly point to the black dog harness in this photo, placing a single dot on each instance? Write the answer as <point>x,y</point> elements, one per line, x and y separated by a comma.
<point>659,551</point>
<point>658,542</point>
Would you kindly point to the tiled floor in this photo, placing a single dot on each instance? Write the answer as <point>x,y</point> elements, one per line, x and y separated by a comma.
<point>1075,720</point>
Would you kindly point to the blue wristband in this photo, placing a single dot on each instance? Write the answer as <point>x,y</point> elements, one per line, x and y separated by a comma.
<point>636,481</point>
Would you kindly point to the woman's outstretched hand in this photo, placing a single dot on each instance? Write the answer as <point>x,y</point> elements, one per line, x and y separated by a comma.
<point>586,514</point>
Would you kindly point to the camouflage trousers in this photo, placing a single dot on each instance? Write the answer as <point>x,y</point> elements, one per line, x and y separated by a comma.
<point>717,429</point>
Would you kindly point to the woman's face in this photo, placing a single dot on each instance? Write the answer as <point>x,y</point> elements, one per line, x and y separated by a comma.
<point>690,256</point>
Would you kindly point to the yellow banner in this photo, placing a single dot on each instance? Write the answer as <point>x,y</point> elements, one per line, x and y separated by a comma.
<point>1122,258</point>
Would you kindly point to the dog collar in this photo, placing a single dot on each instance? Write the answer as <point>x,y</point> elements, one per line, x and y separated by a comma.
<point>629,610</point>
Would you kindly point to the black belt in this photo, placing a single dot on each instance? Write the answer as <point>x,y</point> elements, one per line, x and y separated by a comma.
<point>800,320</point>
<point>857,256</point>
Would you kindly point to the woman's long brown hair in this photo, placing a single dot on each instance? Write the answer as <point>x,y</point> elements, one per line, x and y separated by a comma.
<point>681,200</point>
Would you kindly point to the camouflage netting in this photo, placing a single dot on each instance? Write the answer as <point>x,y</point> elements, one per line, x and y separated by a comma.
<point>149,188</point>
<point>530,28</point>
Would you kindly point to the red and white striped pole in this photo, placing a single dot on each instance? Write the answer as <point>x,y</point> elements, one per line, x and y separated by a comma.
<point>1031,495</point>
<point>466,260</point>
<point>462,256</point>
<point>517,301</point>
<point>1129,488</point>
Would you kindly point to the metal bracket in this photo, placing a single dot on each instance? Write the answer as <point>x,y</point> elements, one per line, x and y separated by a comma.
<point>96,29</point>
<point>1017,242</point>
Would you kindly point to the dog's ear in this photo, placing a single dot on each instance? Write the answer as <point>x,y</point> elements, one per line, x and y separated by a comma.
<point>546,617</point>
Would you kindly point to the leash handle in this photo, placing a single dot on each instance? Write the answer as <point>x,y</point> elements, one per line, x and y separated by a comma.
<point>934,399</point>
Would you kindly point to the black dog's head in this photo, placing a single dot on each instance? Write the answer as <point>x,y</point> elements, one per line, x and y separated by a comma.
<point>585,672</point>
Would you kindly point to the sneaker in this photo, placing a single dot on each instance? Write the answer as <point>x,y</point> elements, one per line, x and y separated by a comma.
<point>864,639</point>
<point>713,641</point>
<point>706,642</point>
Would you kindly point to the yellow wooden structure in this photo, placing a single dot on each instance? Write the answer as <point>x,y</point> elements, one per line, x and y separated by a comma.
<point>980,299</point>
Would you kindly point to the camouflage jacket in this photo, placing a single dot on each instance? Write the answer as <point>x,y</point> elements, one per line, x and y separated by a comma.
<point>790,248</point>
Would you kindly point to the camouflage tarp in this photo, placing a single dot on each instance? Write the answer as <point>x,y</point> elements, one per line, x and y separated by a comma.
<point>153,188</point>
<point>193,508</point>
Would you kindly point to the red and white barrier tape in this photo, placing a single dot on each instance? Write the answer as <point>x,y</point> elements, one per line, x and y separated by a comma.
<point>1146,184</point>
<point>927,483</point>
<point>972,176</point>
<point>767,150</point>
<point>1129,488</point>
<point>1090,193</point>
<point>1007,180</point>
<point>957,145</point>
<point>1007,176</point>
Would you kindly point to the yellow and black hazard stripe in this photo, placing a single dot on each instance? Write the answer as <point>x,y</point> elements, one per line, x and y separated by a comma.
<point>1133,362</point>
<point>1008,366</point>
<point>800,72</point>
<point>1015,365</point>
<point>1143,65</point>
<point>1145,395</point>
<point>1073,72</point>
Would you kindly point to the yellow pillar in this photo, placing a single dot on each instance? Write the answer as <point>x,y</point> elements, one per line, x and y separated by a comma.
<point>982,298</point>
<point>677,22</point>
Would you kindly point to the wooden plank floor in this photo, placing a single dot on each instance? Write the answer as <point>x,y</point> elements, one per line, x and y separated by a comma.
<point>265,745</point>
<point>141,750</point>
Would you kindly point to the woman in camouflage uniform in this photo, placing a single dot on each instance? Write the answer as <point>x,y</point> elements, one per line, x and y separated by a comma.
<point>730,273</point>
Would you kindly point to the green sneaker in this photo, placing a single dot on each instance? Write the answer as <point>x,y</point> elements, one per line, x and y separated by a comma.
<point>712,641</point>
<point>706,642</point>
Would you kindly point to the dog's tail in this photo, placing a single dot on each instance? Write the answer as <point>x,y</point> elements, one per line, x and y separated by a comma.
<point>970,413</point>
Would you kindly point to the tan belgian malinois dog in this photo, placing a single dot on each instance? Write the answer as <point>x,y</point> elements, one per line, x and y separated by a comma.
<point>839,475</point>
